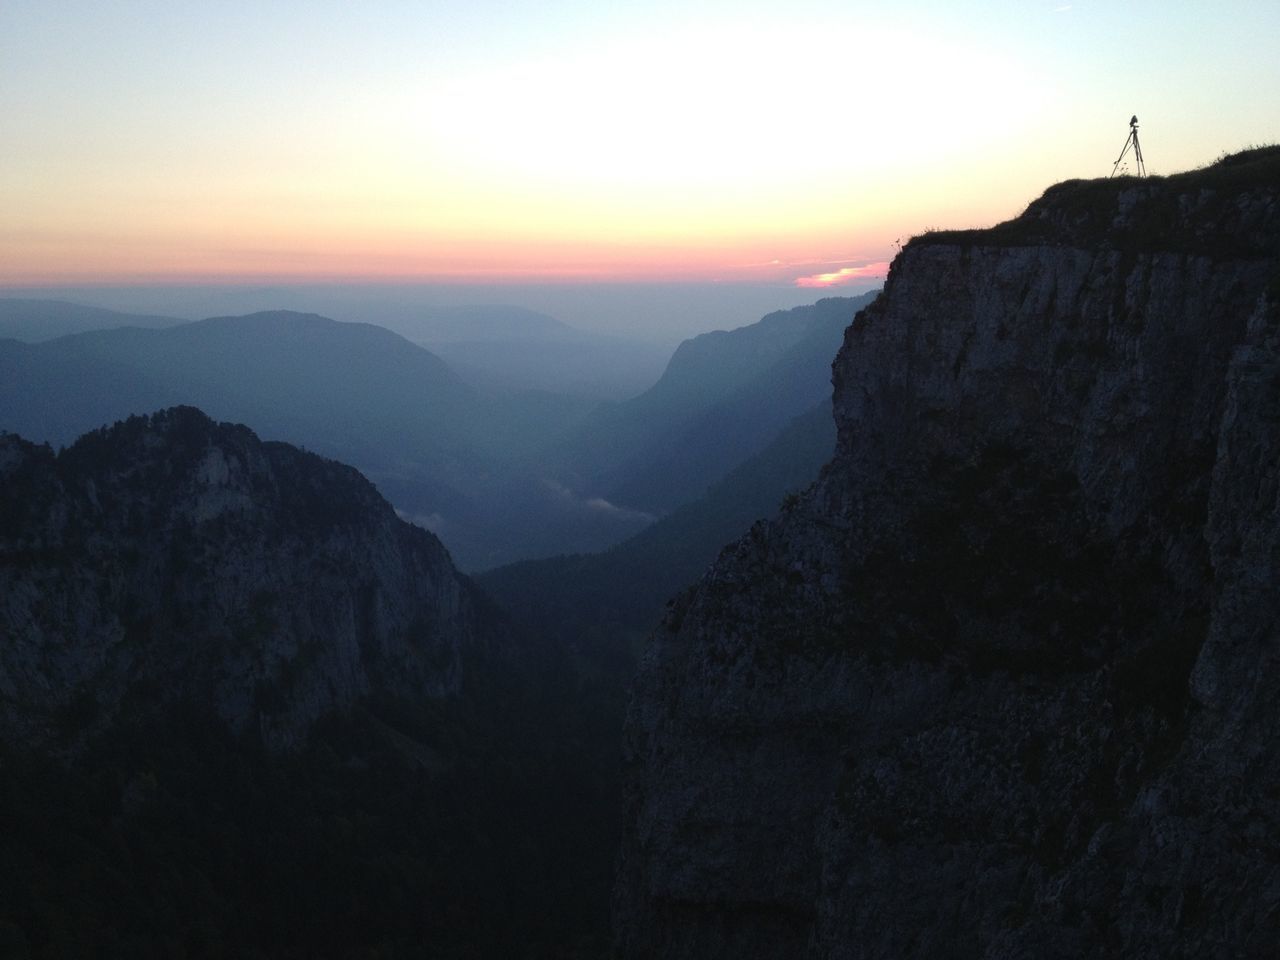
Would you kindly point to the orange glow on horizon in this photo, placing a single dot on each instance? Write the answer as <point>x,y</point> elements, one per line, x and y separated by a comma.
<point>281,255</point>
<point>655,142</point>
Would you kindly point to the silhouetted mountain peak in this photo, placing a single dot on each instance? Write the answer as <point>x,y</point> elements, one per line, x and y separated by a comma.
<point>184,557</point>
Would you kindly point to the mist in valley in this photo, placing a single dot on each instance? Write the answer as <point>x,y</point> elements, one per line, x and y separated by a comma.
<point>508,433</point>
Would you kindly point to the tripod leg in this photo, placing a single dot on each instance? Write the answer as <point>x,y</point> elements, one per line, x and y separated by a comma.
<point>1128,140</point>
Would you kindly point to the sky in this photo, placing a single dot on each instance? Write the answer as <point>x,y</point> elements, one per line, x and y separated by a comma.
<point>555,142</point>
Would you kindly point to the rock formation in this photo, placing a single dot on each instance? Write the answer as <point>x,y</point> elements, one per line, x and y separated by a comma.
<point>1005,682</point>
<point>171,559</point>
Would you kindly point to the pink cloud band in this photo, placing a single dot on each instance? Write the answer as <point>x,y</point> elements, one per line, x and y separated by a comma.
<point>869,271</point>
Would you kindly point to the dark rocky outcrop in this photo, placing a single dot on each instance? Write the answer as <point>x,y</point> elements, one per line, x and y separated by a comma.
<point>173,559</point>
<point>246,711</point>
<point>1003,683</point>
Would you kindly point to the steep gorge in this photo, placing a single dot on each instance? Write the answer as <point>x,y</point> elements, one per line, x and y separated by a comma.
<point>1002,683</point>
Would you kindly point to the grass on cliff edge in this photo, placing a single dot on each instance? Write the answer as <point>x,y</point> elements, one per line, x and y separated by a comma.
<point>1083,212</point>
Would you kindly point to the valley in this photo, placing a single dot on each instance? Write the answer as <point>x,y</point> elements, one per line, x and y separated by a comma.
<point>237,641</point>
<point>501,473</point>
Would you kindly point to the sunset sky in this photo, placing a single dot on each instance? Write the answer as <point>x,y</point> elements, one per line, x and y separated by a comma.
<point>570,141</point>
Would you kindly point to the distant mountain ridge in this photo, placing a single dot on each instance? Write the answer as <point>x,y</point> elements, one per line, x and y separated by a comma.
<point>279,370</point>
<point>355,392</point>
<point>32,321</point>
<point>499,474</point>
<point>723,397</point>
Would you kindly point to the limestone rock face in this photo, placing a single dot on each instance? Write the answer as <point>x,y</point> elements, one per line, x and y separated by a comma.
<point>171,559</point>
<point>1006,681</point>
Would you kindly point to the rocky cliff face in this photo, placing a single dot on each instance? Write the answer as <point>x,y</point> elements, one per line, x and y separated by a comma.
<point>1004,682</point>
<point>171,559</point>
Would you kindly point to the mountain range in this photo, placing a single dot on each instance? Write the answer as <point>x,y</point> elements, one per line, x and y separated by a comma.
<point>500,474</point>
<point>36,320</point>
<point>935,623</point>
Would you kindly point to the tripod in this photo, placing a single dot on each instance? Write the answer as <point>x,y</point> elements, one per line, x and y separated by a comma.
<point>1132,141</point>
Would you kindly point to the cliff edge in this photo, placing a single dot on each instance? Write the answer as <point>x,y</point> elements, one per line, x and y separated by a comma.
<point>1003,683</point>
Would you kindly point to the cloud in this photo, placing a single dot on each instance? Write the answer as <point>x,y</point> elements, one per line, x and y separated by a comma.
<point>601,505</point>
<point>869,271</point>
<point>594,504</point>
<point>808,262</point>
